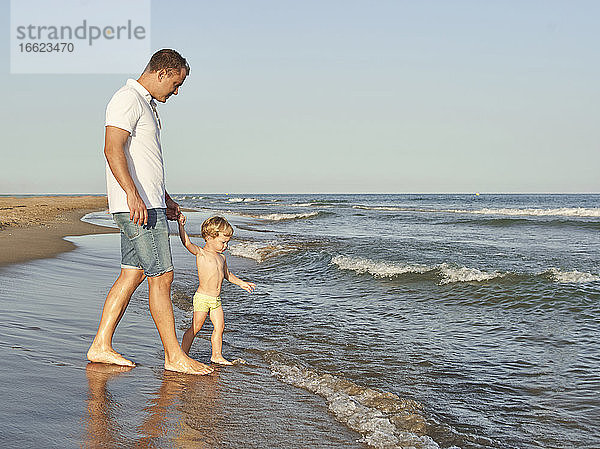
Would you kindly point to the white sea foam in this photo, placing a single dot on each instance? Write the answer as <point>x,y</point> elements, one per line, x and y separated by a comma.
<point>389,208</point>
<point>271,217</point>
<point>381,269</point>
<point>279,217</point>
<point>190,197</point>
<point>313,204</point>
<point>377,269</point>
<point>243,200</point>
<point>384,420</point>
<point>558,212</point>
<point>260,251</point>
<point>451,274</point>
<point>571,277</point>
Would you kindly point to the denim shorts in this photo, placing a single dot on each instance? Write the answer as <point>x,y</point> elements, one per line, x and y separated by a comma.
<point>145,247</point>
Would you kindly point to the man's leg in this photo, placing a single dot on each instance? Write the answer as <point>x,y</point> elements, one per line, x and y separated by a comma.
<point>114,307</point>
<point>161,309</point>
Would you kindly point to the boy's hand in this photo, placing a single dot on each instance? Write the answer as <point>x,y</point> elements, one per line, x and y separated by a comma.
<point>181,219</point>
<point>248,286</point>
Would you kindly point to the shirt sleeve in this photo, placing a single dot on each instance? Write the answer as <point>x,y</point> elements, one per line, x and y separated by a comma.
<point>123,111</point>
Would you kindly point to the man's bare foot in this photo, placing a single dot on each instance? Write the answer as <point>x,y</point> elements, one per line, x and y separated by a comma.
<point>187,365</point>
<point>107,356</point>
<point>220,360</point>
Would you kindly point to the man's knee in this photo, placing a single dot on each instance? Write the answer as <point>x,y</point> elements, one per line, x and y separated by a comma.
<point>161,281</point>
<point>133,276</point>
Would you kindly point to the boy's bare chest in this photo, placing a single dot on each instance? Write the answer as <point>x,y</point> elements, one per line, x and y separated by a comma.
<point>211,264</point>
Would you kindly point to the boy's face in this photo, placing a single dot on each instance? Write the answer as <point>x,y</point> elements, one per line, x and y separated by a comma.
<point>218,243</point>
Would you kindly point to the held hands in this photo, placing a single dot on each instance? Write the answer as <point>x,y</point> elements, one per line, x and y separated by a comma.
<point>182,219</point>
<point>173,210</point>
<point>248,286</point>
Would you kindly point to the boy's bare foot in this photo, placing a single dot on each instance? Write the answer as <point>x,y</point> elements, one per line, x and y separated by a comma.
<point>187,365</point>
<point>107,356</point>
<point>220,360</point>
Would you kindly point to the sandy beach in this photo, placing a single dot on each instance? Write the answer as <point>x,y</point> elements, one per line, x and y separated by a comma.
<point>34,227</point>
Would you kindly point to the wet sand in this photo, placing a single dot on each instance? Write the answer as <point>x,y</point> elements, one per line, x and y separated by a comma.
<point>54,398</point>
<point>52,302</point>
<point>34,227</point>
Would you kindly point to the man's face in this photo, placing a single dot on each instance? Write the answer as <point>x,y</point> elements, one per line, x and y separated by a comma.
<point>169,83</point>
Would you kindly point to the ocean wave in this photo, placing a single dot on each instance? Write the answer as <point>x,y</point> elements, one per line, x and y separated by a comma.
<point>243,200</point>
<point>280,217</point>
<point>392,208</point>
<point>271,217</point>
<point>189,197</point>
<point>451,274</point>
<point>377,269</point>
<point>260,251</point>
<point>570,277</point>
<point>383,419</point>
<point>380,269</point>
<point>312,204</point>
<point>557,212</point>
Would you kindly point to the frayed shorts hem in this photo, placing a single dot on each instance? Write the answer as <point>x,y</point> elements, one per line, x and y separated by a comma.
<point>130,267</point>
<point>159,273</point>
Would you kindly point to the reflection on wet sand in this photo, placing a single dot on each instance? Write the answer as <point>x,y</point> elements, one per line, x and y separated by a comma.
<point>184,411</point>
<point>102,431</point>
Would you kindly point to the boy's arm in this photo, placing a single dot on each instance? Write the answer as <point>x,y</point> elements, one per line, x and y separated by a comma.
<point>248,286</point>
<point>185,239</point>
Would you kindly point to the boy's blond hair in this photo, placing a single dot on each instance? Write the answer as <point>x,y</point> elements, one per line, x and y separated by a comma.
<point>213,225</point>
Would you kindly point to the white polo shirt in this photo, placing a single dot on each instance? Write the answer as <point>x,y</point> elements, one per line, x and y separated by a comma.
<point>133,109</point>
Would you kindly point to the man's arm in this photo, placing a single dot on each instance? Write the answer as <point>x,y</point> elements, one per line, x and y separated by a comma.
<point>114,144</point>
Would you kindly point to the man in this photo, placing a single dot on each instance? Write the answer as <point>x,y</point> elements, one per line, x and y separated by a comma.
<point>140,205</point>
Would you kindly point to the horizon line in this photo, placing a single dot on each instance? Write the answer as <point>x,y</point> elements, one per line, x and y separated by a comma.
<point>314,193</point>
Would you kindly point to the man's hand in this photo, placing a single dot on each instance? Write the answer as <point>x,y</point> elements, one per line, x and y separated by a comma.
<point>182,219</point>
<point>137,209</point>
<point>173,211</point>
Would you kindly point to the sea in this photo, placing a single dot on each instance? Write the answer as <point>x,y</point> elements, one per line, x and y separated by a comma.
<point>378,321</point>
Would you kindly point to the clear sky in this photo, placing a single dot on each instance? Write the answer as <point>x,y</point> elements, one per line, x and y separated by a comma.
<point>337,96</point>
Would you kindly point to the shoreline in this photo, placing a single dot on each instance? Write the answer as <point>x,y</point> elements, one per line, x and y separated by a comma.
<point>34,227</point>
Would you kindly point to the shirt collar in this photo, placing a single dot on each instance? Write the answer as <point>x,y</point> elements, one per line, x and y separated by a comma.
<point>140,89</point>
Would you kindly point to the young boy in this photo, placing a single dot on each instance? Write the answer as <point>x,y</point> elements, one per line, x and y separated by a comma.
<point>212,269</point>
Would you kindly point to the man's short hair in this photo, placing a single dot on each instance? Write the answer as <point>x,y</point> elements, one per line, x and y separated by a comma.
<point>213,225</point>
<point>168,60</point>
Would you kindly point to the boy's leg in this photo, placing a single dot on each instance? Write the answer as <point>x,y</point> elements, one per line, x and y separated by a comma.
<point>116,302</point>
<point>188,337</point>
<point>216,339</point>
<point>162,314</point>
